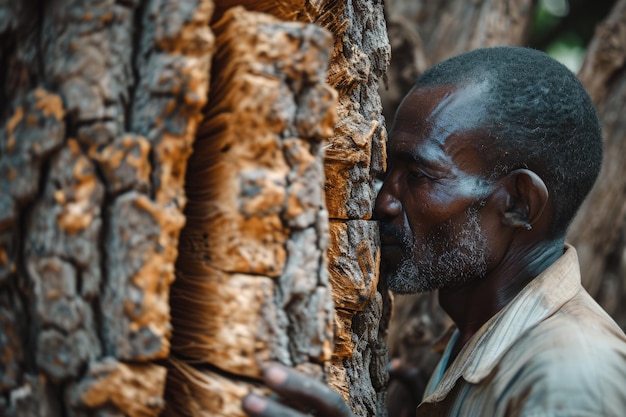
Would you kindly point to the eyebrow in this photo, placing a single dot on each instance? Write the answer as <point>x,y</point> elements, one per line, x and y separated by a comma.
<point>414,157</point>
<point>410,156</point>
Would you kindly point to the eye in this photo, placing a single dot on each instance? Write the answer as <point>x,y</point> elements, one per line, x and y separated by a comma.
<point>414,175</point>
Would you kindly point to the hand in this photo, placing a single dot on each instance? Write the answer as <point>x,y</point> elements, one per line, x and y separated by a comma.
<point>299,389</point>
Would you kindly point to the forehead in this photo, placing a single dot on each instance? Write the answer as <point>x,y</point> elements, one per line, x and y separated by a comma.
<point>440,123</point>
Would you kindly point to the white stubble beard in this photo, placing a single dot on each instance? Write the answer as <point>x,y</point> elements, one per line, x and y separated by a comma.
<point>460,262</point>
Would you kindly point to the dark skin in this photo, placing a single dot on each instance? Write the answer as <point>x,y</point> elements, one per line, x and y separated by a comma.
<point>439,167</point>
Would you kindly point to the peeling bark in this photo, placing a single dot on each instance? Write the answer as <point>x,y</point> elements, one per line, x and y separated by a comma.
<point>355,155</point>
<point>252,284</point>
<point>104,101</point>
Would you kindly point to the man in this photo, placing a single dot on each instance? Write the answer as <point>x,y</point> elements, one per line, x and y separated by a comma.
<point>491,154</point>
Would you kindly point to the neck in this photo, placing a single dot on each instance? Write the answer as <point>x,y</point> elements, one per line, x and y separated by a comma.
<point>473,304</point>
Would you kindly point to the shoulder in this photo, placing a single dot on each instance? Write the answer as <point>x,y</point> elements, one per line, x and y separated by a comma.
<point>580,341</point>
<point>573,360</point>
<point>579,329</point>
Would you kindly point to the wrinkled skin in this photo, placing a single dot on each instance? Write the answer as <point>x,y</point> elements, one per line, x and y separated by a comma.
<point>431,203</point>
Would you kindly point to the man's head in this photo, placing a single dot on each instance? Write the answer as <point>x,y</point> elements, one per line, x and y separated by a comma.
<point>482,144</point>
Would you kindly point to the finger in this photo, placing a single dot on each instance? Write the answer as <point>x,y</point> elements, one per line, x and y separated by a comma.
<point>257,406</point>
<point>306,391</point>
<point>411,377</point>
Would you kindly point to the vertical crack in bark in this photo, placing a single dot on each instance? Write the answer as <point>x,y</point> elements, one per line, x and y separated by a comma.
<point>354,156</point>
<point>8,50</point>
<point>137,34</point>
<point>14,358</point>
<point>96,302</point>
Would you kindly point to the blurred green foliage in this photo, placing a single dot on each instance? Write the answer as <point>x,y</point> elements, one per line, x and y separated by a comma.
<point>563,28</point>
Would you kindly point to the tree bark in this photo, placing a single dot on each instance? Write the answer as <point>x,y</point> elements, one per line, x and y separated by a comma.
<point>104,99</point>
<point>252,283</point>
<point>355,155</point>
<point>102,102</point>
<point>216,235</point>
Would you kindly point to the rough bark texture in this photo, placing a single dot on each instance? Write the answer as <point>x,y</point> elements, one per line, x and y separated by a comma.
<point>102,103</point>
<point>252,283</point>
<point>257,223</point>
<point>354,156</point>
<point>104,98</point>
<point>599,230</point>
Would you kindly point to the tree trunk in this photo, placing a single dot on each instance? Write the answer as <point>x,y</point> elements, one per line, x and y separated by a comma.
<point>226,247</point>
<point>102,100</point>
<point>354,157</point>
<point>252,284</point>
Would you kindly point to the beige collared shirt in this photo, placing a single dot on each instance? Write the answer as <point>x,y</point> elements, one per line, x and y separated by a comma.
<point>553,351</point>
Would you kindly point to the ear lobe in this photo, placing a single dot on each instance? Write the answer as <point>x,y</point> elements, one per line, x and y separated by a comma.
<point>528,197</point>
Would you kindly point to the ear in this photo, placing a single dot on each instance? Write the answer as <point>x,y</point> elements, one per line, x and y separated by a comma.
<point>527,197</point>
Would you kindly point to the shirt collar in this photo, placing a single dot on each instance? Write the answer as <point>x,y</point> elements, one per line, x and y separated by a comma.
<point>542,297</point>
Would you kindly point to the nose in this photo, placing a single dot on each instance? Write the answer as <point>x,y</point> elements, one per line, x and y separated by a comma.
<point>387,204</point>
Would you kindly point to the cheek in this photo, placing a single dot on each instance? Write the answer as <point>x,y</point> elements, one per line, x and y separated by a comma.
<point>428,217</point>
<point>496,241</point>
<point>437,203</point>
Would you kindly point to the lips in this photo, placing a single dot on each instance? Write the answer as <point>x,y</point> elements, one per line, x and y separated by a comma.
<point>390,235</point>
<point>392,253</point>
